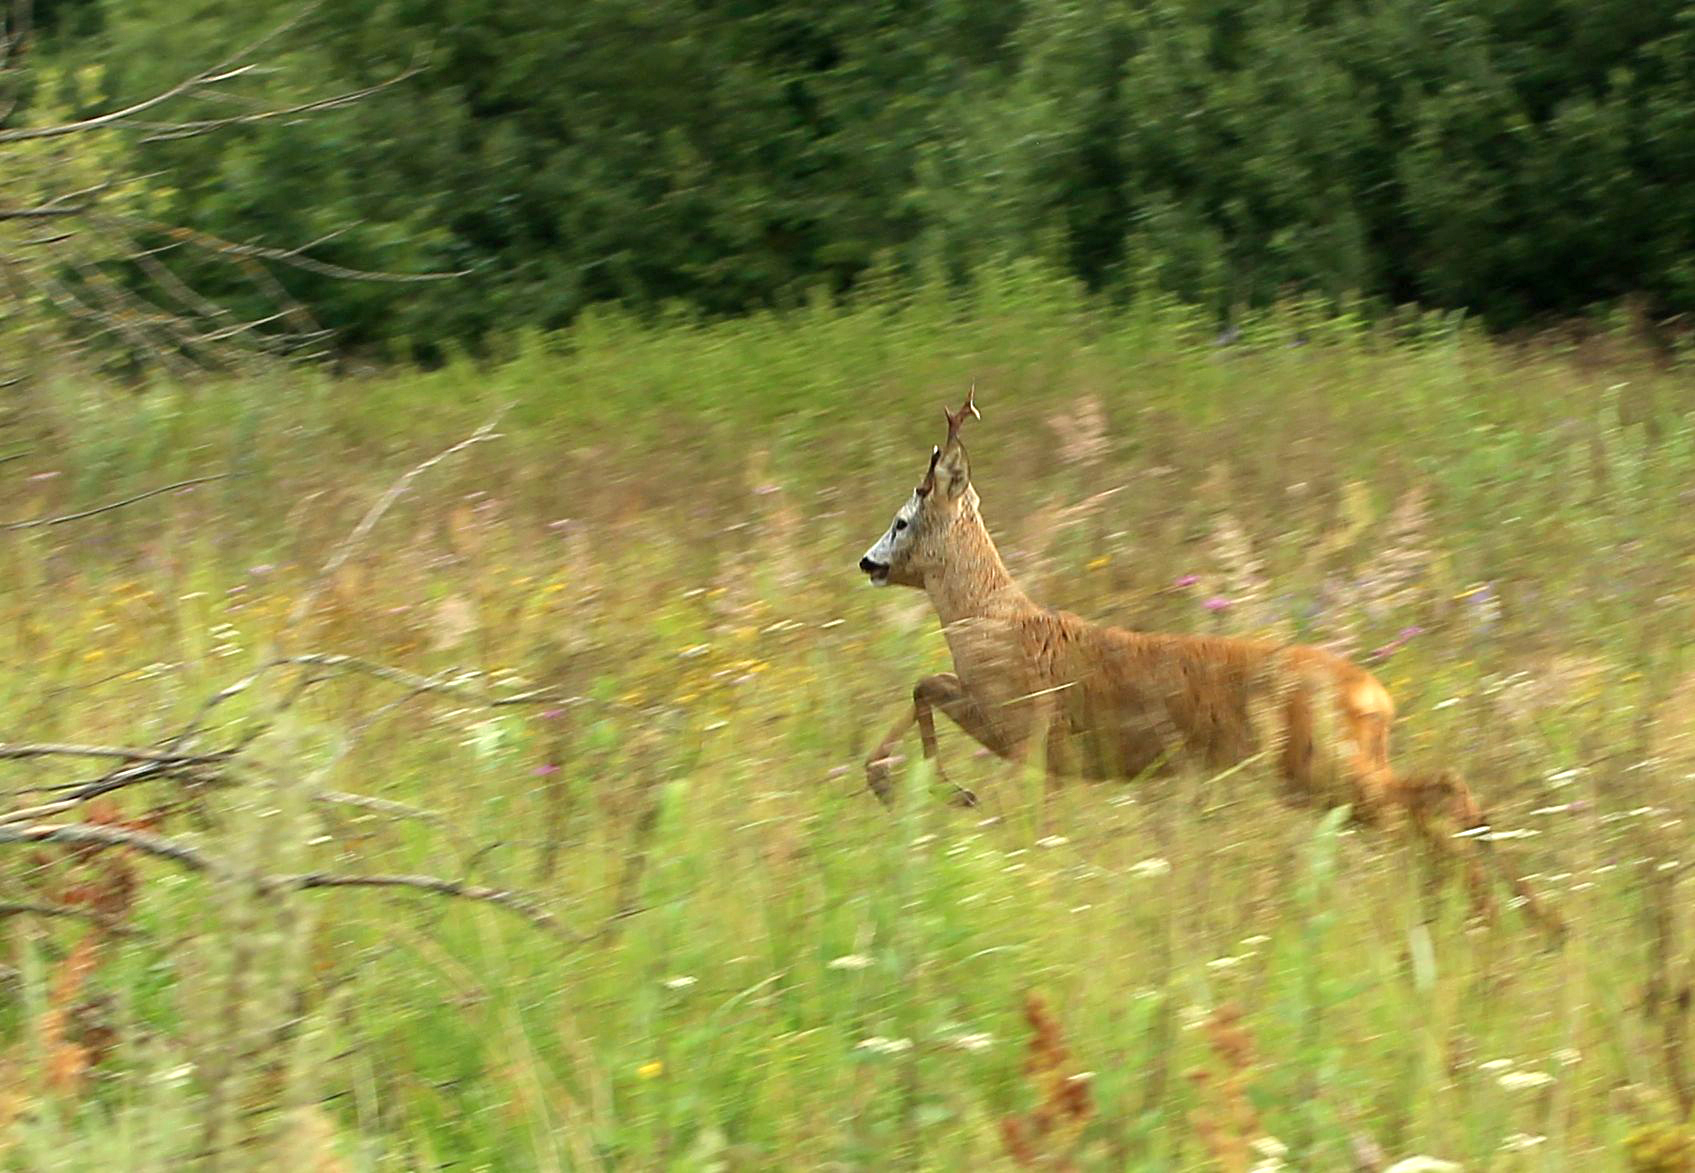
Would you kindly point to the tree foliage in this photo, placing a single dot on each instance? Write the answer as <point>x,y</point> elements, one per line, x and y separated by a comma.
<point>1513,158</point>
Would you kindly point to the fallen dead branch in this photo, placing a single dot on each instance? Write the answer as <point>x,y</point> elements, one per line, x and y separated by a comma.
<point>525,906</point>
<point>42,522</point>
<point>142,764</point>
<point>382,806</point>
<point>195,860</point>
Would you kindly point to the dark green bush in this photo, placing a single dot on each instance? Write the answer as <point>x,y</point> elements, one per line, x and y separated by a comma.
<point>1515,158</point>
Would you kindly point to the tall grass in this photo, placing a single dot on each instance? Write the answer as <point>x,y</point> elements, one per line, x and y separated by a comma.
<point>781,974</point>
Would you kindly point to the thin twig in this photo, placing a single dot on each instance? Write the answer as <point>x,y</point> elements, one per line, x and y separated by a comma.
<point>39,522</point>
<point>31,908</point>
<point>350,543</point>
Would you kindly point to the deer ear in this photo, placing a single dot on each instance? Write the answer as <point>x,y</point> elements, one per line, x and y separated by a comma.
<point>953,470</point>
<point>929,482</point>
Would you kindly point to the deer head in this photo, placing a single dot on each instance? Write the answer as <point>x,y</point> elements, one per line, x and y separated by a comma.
<point>915,543</point>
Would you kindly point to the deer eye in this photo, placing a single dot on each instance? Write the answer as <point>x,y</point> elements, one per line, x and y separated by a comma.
<point>900,524</point>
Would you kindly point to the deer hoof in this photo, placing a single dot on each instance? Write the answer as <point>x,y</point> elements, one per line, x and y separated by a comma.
<point>963,797</point>
<point>878,774</point>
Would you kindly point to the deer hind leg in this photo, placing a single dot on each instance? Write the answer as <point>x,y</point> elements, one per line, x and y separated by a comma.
<point>1434,806</point>
<point>1438,803</point>
<point>945,692</point>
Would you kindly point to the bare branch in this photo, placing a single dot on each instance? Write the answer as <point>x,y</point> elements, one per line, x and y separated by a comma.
<point>15,752</point>
<point>458,684</point>
<point>39,522</point>
<point>71,203</point>
<point>291,257</point>
<point>167,132</point>
<point>43,212</point>
<point>225,70</point>
<point>97,835</point>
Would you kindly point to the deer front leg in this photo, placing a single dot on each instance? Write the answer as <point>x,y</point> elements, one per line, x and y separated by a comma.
<point>945,692</point>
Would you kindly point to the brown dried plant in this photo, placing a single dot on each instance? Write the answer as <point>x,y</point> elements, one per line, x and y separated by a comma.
<point>1048,1136</point>
<point>1226,1121</point>
<point>74,1031</point>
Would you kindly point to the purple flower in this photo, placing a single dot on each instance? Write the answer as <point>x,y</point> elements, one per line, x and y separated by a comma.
<point>552,714</point>
<point>261,570</point>
<point>1217,603</point>
<point>1408,633</point>
<point>1187,580</point>
<point>545,769</point>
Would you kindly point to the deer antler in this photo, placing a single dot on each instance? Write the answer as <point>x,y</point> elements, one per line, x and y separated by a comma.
<point>955,418</point>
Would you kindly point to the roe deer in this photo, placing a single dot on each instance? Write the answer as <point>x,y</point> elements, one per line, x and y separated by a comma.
<point>1105,702</point>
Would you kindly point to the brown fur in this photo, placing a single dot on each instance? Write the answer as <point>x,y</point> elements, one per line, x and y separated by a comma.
<point>1104,702</point>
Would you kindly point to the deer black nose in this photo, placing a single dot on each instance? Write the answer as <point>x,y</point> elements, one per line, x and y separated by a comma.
<point>868,566</point>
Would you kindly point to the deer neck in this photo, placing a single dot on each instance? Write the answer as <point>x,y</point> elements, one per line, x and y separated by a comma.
<point>973,582</point>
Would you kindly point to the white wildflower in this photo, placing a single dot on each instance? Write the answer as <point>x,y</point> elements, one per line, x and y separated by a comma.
<point>1518,1142</point>
<point>1518,1081</point>
<point>879,1045</point>
<point>851,961</point>
<point>1423,1164</point>
<point>1568,1056</point>
<point>174,1075</point>
<point>1052,841</point>
<point>1495,1065</point>
<point>1151,868</point>
<point>681,982</point>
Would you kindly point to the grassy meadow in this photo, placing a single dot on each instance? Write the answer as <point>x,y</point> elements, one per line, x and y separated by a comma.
<point>616,657</point>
